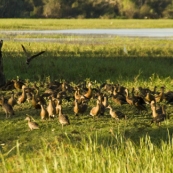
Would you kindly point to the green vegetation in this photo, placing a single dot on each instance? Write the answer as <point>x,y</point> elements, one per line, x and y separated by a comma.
<point>99,59</point>
<point>87,145</point>
<point>43,24</point>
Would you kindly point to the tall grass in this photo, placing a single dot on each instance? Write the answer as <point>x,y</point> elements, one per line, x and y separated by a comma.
<point>111,153</point>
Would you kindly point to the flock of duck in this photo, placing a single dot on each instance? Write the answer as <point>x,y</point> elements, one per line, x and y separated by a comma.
<point>50,97</point>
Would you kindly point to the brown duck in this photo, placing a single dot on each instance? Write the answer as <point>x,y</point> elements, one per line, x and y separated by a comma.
<point>63,119</point>
<point>12,100</point>
<point>22,98</point>
<point>43,112</point>
<point>80,107</point>
<point>31,125</point>
<point>51,108</point>
<point>8,109</point>
<point>96,109</point>
<point>116,114</point>
<point>158,117</point>
<point>18,84</point>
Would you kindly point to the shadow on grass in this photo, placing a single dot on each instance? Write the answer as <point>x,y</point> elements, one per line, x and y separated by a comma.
<point>156,134</point>
<point>99,66</point>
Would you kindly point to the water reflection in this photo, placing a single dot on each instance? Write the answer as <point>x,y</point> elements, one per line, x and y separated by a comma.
<point>168,32</point>
<point>87,34</point>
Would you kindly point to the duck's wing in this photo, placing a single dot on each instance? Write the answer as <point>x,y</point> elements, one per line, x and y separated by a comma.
<point>33,56</point>
<point>26,53</point>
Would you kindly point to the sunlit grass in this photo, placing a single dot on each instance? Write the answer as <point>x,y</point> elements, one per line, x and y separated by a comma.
<point>36,24</point>
<point>111,153</point>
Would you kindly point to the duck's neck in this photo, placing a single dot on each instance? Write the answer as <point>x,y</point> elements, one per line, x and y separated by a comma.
<point>154,111</point>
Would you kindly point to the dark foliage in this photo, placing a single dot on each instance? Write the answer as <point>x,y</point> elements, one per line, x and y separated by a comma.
<point>85,9</point>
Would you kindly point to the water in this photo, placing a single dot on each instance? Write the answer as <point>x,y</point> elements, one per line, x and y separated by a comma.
<point>89,35</point>
<point>168,32</point>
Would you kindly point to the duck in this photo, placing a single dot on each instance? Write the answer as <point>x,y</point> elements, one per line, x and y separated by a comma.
<point>18,84</point>
<point>22,98</point>
<point>155,106</point>
<point>120,89</point>
<point>116,114</point>
<point>32,125</point>
<point>83,106</point>
<point>43,112</point>
<point>88,94</point>
<point>161,96</point>
<point>34,102</point>
<point>118,98</point>
<point>140,107</point>
<point>129,100</point>
<point>103,103</point>
<point>169,97</point>
<point>29,57</point>
<point>39,97</point>
<point>8,109</point>
<point>105,100</point>
<point>107,88</point>
<point>149,97</point>
<point>77,94</point>
<point>80,107</point>
<point>63,119</point>
<point>51,108</point>
<point>96,109</point>
<point>158,117</point>
<point>58,103</point>
<point>137,97</point>
<point>12,100</point>
<point>9,85</point>
<point>143,91</point>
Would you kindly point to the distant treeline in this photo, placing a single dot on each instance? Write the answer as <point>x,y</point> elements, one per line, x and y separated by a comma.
<point>127,9</point>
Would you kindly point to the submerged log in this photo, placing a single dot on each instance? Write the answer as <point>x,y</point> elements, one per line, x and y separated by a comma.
<point>2,76</point>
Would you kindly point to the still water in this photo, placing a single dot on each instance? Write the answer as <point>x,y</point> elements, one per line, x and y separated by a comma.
<point>119,32</point>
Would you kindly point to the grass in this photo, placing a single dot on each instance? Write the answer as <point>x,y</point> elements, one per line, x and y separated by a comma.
<point>108,152</point>
<point>75,61</point>
<point>101,145</point>
<point>37,24</point>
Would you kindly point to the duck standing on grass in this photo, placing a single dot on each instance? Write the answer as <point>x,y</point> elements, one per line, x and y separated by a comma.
<point>117,115</point>
<point>63,119</point>
<point>43,112</point>
<point>95,110</point>
<point>51,109</point>
<point>158,115</point>
<point>8,109</point>
<point>12,101</point>
<point>31,125</point>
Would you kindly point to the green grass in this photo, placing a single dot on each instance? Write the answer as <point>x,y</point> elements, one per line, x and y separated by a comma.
<point>76,61</point>
<point>87,145</point>
<point>38,24</point>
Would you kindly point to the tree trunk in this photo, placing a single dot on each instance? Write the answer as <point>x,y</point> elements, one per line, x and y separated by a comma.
<point>2,77</point>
